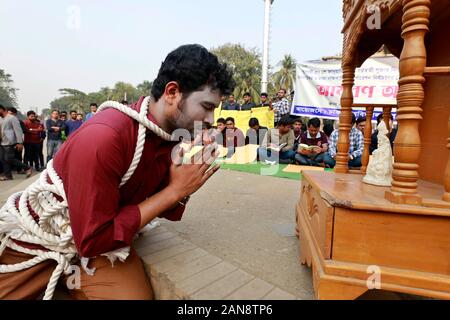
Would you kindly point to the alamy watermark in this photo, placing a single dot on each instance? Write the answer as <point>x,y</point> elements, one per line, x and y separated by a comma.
<point>374,280</point>
<point>374,19</point>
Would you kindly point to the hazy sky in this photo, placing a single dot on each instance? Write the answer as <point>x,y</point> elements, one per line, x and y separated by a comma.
<point>46,47</point>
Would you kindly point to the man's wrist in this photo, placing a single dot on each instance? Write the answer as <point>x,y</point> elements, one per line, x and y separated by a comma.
<point>177,195</point>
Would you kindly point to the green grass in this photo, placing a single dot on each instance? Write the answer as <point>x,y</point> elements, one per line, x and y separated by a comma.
<point>262,169</point>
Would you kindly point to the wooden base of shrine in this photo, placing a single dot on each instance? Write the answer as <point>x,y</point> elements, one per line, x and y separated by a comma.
<point>352,236</point>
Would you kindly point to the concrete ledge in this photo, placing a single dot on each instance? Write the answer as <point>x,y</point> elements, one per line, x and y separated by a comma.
<point>179,270</point>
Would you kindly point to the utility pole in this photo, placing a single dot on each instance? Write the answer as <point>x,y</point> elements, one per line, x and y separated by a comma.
<point>265,68</point>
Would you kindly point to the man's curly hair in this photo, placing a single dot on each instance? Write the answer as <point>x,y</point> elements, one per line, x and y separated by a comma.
<point>192,67</point>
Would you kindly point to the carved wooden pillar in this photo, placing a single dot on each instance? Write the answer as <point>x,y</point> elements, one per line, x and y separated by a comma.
<point>413,61</point>
<point>447,172</point>
<point>345,120</point>
<point>367,139</point>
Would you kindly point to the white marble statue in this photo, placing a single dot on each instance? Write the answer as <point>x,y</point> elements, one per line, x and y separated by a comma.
<point>379,171</point>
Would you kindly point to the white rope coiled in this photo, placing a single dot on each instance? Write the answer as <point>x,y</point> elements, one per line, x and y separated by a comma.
<point>53,230</point>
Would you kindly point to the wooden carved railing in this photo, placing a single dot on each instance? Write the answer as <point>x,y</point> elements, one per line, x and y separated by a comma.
<point>367,139</point>
<point>447,172</point>
<point>416,14</point>
<point>345,120</point>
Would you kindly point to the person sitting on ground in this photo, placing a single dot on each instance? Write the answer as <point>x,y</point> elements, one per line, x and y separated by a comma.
<point>361,124</point>
<point>392,134</point>
<point>328,130</point>
<point>298,132</point>
<point>356,150</point>
<point>313,145</point>
<point>234,137</point>
<point>256,133</point>
<point>248,104</point>
<point>220,131</point>
<point>282,136</point>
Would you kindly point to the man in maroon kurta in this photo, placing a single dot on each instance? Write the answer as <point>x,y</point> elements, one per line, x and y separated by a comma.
<point>105,217</point>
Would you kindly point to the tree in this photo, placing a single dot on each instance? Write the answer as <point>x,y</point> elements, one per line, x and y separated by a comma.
<point>125,91</point>
<point>144,88</point>
<point>246,66</point>
<point>72,99</point>
<point>285,77</point>
<point>8,97</point>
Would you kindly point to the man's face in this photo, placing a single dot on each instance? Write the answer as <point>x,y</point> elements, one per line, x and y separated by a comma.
<point>231,99</point>
<point>297,127</point>
<point>230,125</point>
<point>32,117</point>
<point>198,106</point>
<point>247,99</point>
<point>55,115</point>
<point>313,131</point>
<point>281,94</point>
<point>93,109</point>
<point>73,115</point>
<point>361,126</point>
<point>263,99</point>
<point>221,126</point>
<point>284,129</point>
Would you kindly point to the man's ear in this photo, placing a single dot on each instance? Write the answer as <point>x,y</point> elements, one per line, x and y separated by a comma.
<point>172,93</point>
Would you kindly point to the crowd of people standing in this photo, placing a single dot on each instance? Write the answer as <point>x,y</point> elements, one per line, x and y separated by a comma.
<point>22,142</point>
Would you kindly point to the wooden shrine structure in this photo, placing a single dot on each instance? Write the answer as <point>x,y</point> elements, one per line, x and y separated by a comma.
<point>358,237</point>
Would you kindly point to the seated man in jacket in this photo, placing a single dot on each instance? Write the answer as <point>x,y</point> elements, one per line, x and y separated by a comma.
<point>278,144</point>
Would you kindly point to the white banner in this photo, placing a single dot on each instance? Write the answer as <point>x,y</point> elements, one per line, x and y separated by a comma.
<point>319,86</point>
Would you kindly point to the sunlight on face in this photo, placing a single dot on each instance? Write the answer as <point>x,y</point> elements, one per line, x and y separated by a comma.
<point>199,106</point>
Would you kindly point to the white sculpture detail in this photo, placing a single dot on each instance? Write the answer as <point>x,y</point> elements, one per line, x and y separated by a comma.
<point>379,171</point>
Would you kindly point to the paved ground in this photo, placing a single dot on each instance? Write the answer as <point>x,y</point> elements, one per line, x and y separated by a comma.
<point>248,220</point>
<point>7,188</point>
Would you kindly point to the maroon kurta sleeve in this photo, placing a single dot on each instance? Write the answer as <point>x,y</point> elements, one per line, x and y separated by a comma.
<point>91,167</point>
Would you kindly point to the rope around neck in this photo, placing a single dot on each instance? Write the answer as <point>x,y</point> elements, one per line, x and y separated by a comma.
<point>53,231</point>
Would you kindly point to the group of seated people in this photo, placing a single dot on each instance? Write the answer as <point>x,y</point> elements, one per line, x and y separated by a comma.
<point>290,143</point>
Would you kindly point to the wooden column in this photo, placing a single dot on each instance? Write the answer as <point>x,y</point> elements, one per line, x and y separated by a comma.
<point>413,61</point>
<point>387,116</point>
<point>447,172</point>
<point>367,139</point>
<point>345,120</point>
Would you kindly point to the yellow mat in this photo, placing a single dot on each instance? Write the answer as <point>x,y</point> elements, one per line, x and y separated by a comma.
<point>244,155</point>
<point>299,169</point>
